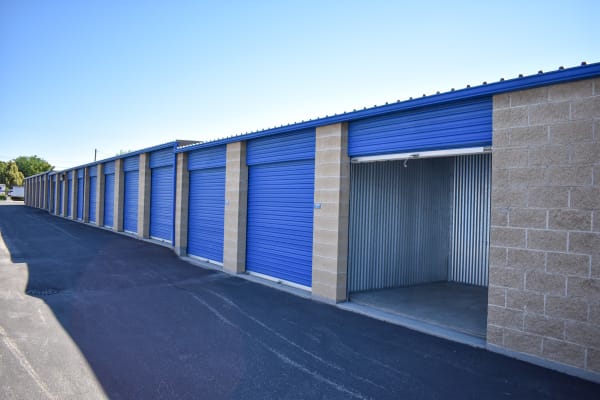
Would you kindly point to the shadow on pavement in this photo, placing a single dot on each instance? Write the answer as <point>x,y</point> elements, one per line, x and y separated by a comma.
<point>149,325</point>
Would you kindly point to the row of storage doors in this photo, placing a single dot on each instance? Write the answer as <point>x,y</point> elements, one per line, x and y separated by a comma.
<point>161,201</point>
<point>280,205</point>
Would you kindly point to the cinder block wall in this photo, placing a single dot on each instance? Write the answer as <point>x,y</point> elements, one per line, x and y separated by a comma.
<point>544,285</point>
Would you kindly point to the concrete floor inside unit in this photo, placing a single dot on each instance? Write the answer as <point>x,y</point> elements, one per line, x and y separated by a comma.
<point>449,305</point>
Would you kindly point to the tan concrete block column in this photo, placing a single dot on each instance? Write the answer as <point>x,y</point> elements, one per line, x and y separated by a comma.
<point>182,196</point>
<point>330,218</point>
<point>119,195</point>
<point>145,182</point>
<point>236,208</point>
<point>86,195</point>
<point>74,192</point>
<point>100,195</point>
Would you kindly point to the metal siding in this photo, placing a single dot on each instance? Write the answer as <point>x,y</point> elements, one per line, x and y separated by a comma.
<point>109,167</point>
<point>80,173</point>
<point>399,223</point>
<point>162,158</point>
<point>161,203</point>
<point>52,193</point>
<point>109,199</point>
<point>206,213</point>
<point>69,193</point>
<point>93,171</point>
<point>131,164</point>
<point>280,217</point>
<point>467,123</point>
<point>471,220</point>
<point>80,198</point>
<point>286,147</point>
<point>60,197</point>
<point>130,201</point>
<point>92,209</point>
<point>213,157</point>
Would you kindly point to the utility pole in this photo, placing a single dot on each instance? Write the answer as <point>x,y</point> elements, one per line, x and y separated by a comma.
<point>95,154</point>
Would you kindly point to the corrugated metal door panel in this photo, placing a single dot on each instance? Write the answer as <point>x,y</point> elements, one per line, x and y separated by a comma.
<point>212,157</point>
<point>60,198</point>
<point>69,193</point>
<point>80,173</point>
<point>109,167</point>
<point>471,220</point>
<point>298,145</point>
<point>80,198</point>
<point>92,210</point>
<point>131,164</point>
<point>206,213</point>
<point>161,203</point>
<point>161,158</point>
<point>462,124</point>
<point>280,218</point>
<point>109,200</point>
<point>130,201</point>
<point>400,218</point>
<point>53,194</point>
<point>94,171</point>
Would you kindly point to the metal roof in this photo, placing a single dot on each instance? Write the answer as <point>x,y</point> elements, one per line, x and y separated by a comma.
<point>561,75</point>
<point>172,144</point>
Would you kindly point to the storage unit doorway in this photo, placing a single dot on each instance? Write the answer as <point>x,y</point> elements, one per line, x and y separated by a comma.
<point>281,179</point>
<point>420,215</point>
<point>69,192</point>
<point>131,179</point>
<point>93,171</point>
<point>80,188</point>
<point>109,194</point>
<point>162,194</point>
<point>206,217</point>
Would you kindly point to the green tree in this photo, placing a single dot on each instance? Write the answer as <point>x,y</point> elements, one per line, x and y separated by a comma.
<point>12,175</point>
<point>32,165</point>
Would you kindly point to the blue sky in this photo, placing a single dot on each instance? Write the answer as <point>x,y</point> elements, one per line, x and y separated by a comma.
<point>124,75</point>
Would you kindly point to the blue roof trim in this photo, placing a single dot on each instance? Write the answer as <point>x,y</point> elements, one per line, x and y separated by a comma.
<point>490,89</point>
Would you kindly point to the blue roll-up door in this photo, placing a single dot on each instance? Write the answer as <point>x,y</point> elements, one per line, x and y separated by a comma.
<point>93,182</point>
<point>130,193</point>
<point>92,209</point>
<point>52,194</point>
<point>109,198</point>
<point>69,193</point>
<point>161,203</point>
<point>207,203</point>
<point>447,126</point>
<point>60,198</point>
<point>80,194</point>
<point>280,206</point>
<point>130,202</point>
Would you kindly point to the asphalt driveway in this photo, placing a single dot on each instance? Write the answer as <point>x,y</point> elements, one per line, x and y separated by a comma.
<point>86,313</point>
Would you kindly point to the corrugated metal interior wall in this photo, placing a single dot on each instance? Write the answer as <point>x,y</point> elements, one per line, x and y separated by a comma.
<point>425,222</point>
<point>471,220</point>
<point>399,223</point>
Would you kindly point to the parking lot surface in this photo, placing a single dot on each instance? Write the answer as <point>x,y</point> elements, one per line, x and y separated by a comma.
<point>87,313</point>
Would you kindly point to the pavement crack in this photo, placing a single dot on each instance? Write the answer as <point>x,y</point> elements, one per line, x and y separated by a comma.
<point>282,357</point>
<point>290,342</point>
